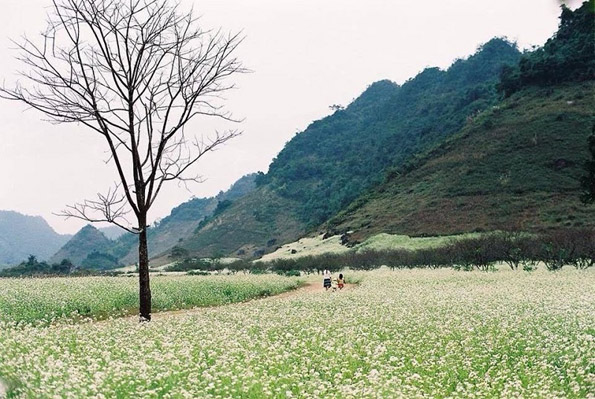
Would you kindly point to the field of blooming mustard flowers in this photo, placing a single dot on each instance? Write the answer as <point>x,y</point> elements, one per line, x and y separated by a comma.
<point>402,334</point>
<point>41,301</point>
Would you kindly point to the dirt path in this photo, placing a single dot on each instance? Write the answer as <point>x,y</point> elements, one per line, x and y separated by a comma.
<point>309,288</point>
<point>2,390</point>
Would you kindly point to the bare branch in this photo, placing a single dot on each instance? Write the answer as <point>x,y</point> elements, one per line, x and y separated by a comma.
<point>111,208</point>
<point>136,72</point>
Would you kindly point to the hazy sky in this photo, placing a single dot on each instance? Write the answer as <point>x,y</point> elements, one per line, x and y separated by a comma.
<point>305,55</point>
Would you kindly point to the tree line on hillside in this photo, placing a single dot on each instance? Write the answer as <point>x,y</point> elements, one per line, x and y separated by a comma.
<point>34,268</point>
<point>518,250</point>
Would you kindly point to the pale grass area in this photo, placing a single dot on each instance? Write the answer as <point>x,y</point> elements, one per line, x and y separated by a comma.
<point>160,267</point>
<point>385,241</point>
<point>312,246</point>
<point>307,246</point>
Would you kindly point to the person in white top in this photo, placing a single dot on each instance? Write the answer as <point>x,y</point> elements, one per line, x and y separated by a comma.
<point>326,279</point>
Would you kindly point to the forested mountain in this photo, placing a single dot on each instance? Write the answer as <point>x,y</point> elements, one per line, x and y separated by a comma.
<point>21,236</point>
<point>515,166</point>
<point>324,168</point>
<point>335,159</point>
<point>496,164</point>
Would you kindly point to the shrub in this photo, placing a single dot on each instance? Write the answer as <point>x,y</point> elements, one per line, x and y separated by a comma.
<point>475,252</point>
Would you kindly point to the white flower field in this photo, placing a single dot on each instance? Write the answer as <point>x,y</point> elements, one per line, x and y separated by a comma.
<point>398,334</point>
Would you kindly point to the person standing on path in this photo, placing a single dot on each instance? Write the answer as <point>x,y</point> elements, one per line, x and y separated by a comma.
<point>340,281</point>
<point>326,282</point>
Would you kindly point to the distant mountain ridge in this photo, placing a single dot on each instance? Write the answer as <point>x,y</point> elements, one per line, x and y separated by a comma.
<point>23,235</point>
<point>112,232</point>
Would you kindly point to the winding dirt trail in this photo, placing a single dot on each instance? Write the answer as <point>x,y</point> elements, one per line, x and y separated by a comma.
<point>2,390</point>
<point>309,288</point>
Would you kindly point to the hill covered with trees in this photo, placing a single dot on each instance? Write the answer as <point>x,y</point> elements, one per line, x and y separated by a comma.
<point>569,56</point>
<point>516,165</point>
<point>336,159</point>
<point>522,157</point>
<point>88,242</point>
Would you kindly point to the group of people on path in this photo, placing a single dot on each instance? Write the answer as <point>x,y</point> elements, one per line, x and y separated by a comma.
<point>327,281</point>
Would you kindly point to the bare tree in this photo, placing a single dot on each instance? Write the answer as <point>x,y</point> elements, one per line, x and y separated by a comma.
<point>135,72</point>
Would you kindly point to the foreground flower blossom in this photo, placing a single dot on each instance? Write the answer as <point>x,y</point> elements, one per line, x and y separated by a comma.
<point>404,334</point>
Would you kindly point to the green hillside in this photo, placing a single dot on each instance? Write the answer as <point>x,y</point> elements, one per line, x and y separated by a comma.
<point>255,224</point>
<point>328,165</point>
<point>336,159</point>
<point>163,235</point>
<point>516,165</point>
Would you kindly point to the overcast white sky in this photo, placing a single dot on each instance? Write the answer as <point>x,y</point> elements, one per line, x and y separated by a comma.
<point>305,54</point>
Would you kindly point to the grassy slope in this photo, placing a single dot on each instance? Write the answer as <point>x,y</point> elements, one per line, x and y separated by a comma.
<point>313,246</point>
<point>514,165</point>
<point>258,218</point>
<point>181,223</point>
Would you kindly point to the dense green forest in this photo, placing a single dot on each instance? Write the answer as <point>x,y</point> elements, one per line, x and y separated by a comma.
<point>335,159</point>
<point>569,56</point>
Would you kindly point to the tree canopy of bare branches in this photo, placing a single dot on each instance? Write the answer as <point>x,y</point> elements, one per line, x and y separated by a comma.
<point>135,72</point>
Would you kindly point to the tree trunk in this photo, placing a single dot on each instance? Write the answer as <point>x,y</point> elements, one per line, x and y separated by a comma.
<point>143,276</point>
